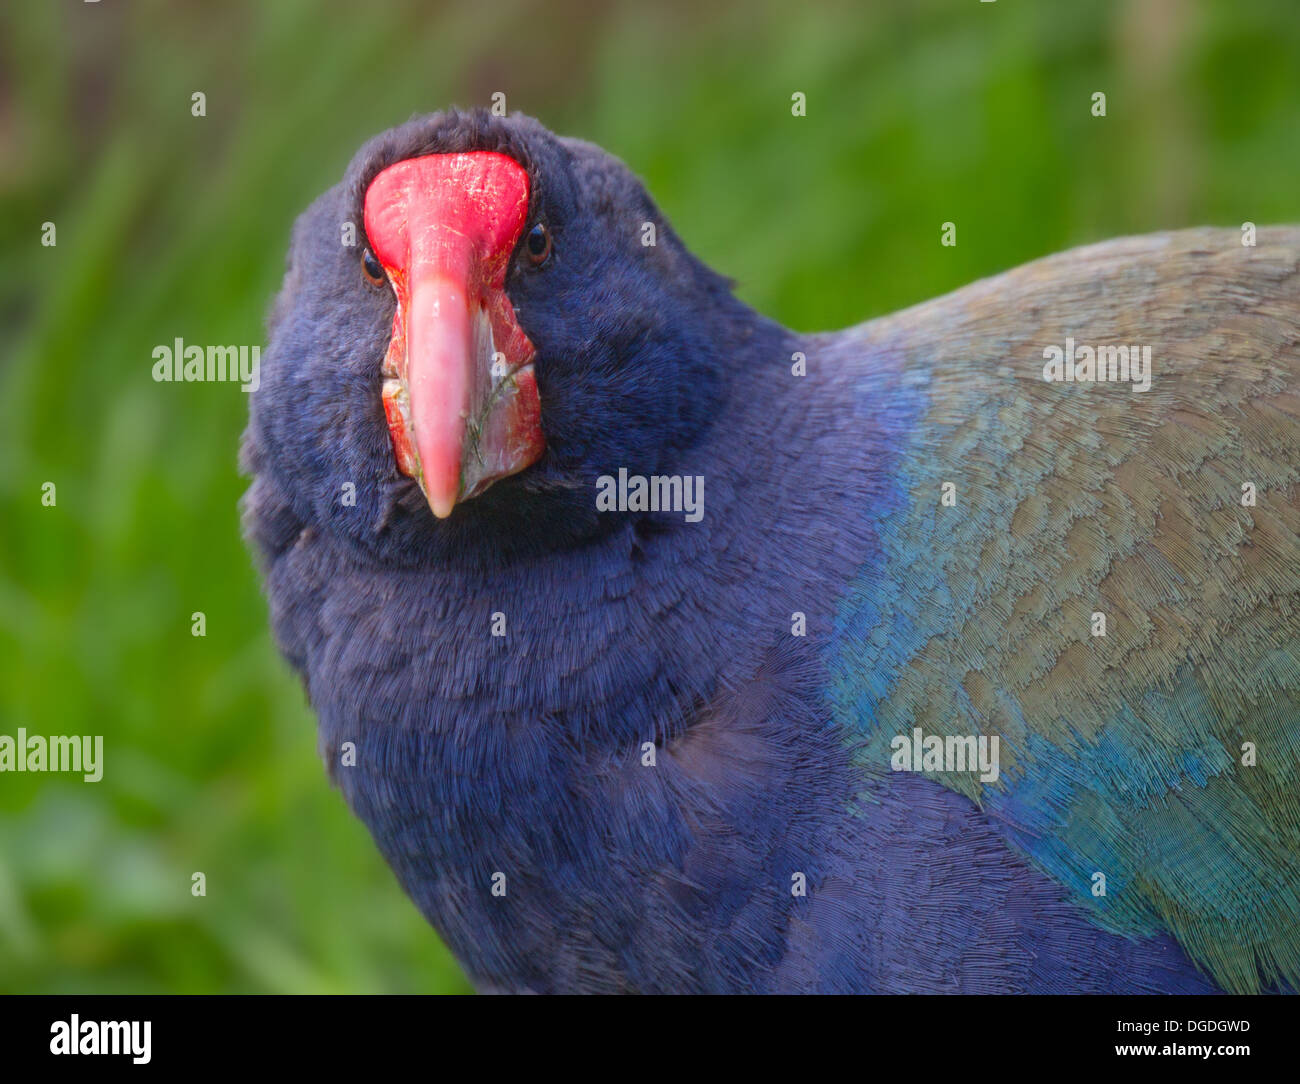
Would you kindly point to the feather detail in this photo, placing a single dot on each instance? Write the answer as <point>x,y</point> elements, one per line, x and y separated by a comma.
<point>1164,754</point>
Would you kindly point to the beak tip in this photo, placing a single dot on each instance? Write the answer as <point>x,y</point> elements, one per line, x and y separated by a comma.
<point>440,476</point>
<point>442,506</point>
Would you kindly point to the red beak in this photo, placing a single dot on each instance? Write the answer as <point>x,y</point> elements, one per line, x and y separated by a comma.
<point>459,391</point>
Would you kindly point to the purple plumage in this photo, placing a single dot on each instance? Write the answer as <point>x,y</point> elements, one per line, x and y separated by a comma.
<point>608,747</point>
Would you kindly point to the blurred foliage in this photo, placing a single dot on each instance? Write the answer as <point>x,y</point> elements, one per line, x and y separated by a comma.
<point>919,112</point>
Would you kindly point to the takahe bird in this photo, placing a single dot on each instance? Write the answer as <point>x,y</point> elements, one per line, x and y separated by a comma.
<point>664,649</point>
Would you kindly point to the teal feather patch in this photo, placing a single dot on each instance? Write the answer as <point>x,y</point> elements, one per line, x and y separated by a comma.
<point>1107,581</point>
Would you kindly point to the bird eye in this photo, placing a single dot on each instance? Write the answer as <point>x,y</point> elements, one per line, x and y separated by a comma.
<point>538,245</point>
<point>372,268</point>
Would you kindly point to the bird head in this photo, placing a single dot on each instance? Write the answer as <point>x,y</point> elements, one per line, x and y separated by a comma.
<point>475,325</point>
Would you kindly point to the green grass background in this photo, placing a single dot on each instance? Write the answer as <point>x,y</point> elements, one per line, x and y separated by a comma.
<point>919,112</point>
